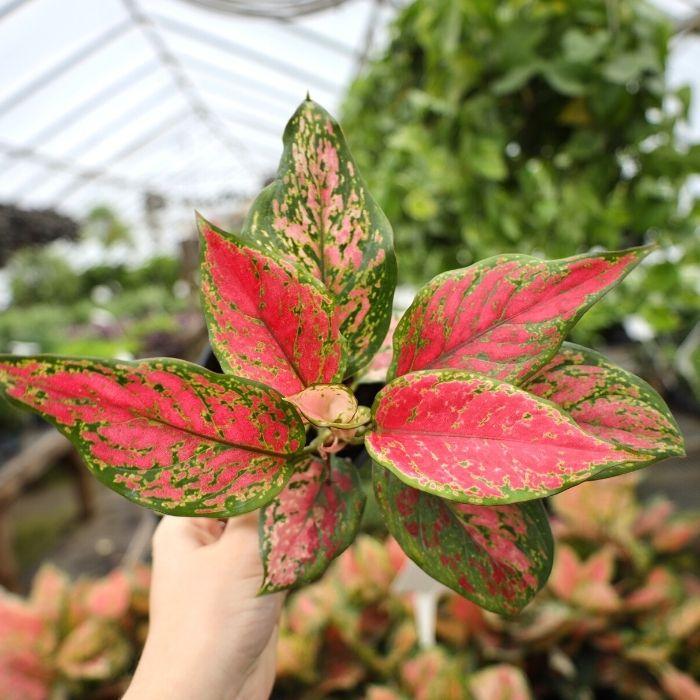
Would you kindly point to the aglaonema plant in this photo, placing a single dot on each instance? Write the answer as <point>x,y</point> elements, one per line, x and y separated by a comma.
<point>486,411</point>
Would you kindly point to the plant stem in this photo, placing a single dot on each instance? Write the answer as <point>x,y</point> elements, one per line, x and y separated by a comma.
<point>317,441</point>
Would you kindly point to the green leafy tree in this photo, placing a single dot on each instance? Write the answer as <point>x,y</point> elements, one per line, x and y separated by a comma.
<point>534,126</point>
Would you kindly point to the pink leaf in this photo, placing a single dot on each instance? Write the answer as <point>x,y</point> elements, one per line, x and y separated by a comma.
<point>311,521</point>
<point>610,403</point>
<point>477,440</point>
<point>679,685</point>
<point>49,594</point>
<point>504,316</point>
<point>109,597</point>
<point>165,433</point>
<point>658,591</point>
<point>327,405</point>
<point>599,510</point>
<point>367,570</point>
<point>500,682</point>
<point>267,321</point>
<point>25,638</point>
<point>585,584</point>
<point>433,674</point>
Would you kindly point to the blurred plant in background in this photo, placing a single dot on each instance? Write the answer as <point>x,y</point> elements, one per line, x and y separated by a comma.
<point>538,127</point>
<point>20,228</point>
<point>103,311</point>
<point>103,225</point>
<point>73,639</point>
<point>620,618</point>
<point>109,309</point>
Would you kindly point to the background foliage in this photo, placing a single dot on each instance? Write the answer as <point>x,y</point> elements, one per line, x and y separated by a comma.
<point>534,126</point>
<point>618,619</point>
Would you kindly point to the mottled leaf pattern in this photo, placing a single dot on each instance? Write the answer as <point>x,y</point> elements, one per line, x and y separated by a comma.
<point>319,214</point>
<point>310,522</point>
<point>497,556</point>
<point>505,316</point>
<point>473,439</point>
<point>267,321</point>
<point>165,433</point>
<point>610,403</point>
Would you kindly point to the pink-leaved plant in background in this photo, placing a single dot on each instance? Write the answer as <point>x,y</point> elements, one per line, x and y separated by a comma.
<point>486,411</point>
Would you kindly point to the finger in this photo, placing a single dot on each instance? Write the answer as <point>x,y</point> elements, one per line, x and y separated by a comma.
<point>247,521</point>
<point>239,544</point>
<point>181,534</point>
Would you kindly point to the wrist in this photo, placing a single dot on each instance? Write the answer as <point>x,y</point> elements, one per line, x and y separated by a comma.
<point>176,669</point>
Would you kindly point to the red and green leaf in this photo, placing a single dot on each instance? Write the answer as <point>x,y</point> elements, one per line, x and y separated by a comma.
<point>610,403</point>
<point>166,434</point>
<point>95,650</point>
<point>473,439</point>
<point>496,556</point>
<point>310,522</point>
<point>267,320</point>
<point>318,214</point>
<point>505,316</point>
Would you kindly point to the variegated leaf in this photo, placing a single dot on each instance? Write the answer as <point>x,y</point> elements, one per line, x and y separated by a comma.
<point>326,405</point>
<point>310,522</point>
<point>319,214</point>
<point>165,433</point>
<point>610,403</point>
<point>497,556</point>
<point>505,316</point>
<point>473,439</point>
<point>267,320</point>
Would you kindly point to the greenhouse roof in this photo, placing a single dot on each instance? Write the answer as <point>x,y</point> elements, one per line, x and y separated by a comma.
<point>112,101</point>
<point>119,101</point>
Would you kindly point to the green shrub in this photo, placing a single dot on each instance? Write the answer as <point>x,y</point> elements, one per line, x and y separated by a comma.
<point>541,127</point>
<point>522,126</point>
<point>41,275</point>
<point>45,324</point>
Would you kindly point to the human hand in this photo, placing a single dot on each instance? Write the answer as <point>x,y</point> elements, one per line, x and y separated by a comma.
<point>211,636</point>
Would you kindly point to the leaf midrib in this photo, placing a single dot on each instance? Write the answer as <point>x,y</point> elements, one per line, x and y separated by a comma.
<point>160,421</point>
<point>433,433</point>
<point>508,319</point>
<point>254,301</point>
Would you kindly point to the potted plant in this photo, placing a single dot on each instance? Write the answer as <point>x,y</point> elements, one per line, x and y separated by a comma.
<point>486,411</point>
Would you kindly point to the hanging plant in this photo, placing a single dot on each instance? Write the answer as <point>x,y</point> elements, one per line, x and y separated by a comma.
<point>486,411</point>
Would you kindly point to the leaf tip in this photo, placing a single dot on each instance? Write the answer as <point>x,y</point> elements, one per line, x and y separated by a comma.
<point>266,588</point>
<point>201,223</point>
<point>644,250</point>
